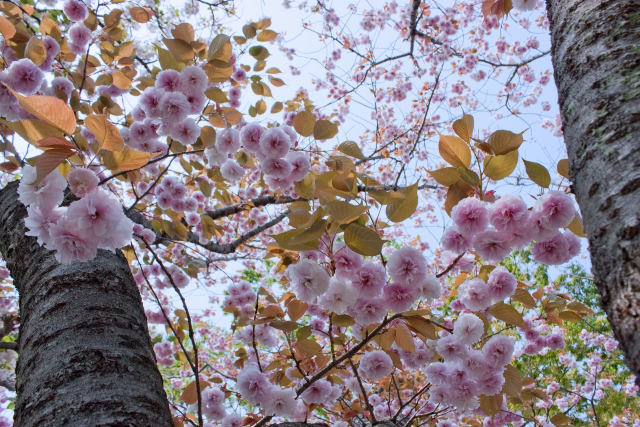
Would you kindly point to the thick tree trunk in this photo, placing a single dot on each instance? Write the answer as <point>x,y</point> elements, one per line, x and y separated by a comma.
<point>85,358</point>
<point>596,59</point>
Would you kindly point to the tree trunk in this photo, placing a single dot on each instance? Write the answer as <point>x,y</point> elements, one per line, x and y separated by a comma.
<point>596,60</point>
<point>85,358</point>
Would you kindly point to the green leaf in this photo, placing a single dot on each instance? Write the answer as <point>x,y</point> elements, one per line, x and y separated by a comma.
<point>538,173</point>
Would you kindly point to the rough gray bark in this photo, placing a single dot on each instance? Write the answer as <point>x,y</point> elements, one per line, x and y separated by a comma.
<point>85,358</point>
<point>596,60</point>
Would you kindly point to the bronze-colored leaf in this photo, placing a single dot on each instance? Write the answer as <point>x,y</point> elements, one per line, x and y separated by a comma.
<point>504,141</point>
<point>105,132</point>
<point>304,123</point>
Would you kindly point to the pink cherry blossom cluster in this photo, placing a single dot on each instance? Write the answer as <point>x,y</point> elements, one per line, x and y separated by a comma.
<point>280,166</point>
<point>77,231</point>
<point>255,387</point>
<point>163,110</point>
<point>241,296</point>
<point>514,226</point>
<point>360,289</point>
<point>466,372</point>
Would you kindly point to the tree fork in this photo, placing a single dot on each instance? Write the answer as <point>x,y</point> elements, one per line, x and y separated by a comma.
<point>596,60</point>
<point>85,357</point>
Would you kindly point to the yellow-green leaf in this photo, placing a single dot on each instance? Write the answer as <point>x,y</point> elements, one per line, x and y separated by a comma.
<point>576,226</point>
<point>344,212</point>
<point>454,151</point>
<point>507,314</point>
<point>304,123</point>
<point>362,240</point>
<point>500,166</point>
<point>464,127</point>
<point>503,141</point>
<point>324,129</point>
<point>563,168</point>
<point>445,176</point>
<point>350,148</point>
<point>538,173</point>
<point>403,208</point>
<point>33,130</point>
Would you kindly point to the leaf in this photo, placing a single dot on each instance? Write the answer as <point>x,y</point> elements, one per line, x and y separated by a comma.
<point>404,339</point>
<point>54,142</point>
<point>570,316</point>
<point>563,168</point>
<point>296,309</point>
<point>190,392</point>
<point>184,32</point>
<point>362,240</point>
<point>352,149</point>
<point>422,326</point>
<point>560,419</point>
<point>180,49</point>
<point>167,60</point>
<point>304,123</point>
<point>220,48</point>
<point>284,325</point>
<point>324,129</point>
<point>35,50</point>
<point>33,130</point>
<point>342,320</point>
<point>276,81</point>
<point>249,31</point>
<point>512,381</point>
<point>576,226</point>
<point>507,314</point>
<point>524,297</point>
<point>50,110</point>
<point>454,195</point>
<point>454,151</point>
<point>7,29</point>
<point>127,159</point>
<point>308,347</point>
<point>445,176</point>
<point>267,36</point>
<point>464,127</point>
<point>49,160</point>
<point>500,166</point>
<point>140,14</point>
<point>469,176</point>
<point>120,80</point>
<point>344,212</point>
<point>402,209</point>
<point>105,132</point>
<point>504,141</point>
<point>538,173</point>
<point>490,405</point>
